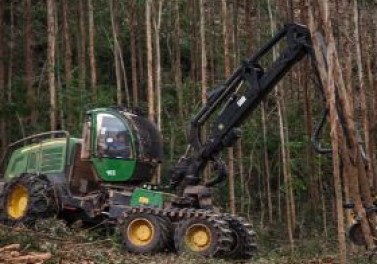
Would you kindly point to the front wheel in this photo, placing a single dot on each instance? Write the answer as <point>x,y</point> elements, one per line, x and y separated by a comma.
<point>26,199</point>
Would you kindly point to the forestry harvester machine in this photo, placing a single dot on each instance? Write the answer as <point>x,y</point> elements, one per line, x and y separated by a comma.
<point>105,175</point>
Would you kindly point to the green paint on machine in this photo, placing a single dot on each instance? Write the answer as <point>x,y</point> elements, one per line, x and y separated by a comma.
<point>110,169</point>
<point>147,197</point>
<point>46,157</point>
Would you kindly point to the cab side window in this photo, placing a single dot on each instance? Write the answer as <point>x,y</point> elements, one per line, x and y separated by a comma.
<point>113,137</point>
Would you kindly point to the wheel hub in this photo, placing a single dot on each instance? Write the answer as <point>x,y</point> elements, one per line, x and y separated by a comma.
<point>140,232</point>
<point>17,202</point>
<point>198,237</point>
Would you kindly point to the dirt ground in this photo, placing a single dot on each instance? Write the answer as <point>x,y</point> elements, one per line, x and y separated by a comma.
<point>63,245</point>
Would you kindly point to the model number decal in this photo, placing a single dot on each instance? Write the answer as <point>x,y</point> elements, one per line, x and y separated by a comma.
<point>111,172</point>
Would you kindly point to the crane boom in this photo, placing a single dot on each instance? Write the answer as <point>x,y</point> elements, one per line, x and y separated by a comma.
<point>234,101</point>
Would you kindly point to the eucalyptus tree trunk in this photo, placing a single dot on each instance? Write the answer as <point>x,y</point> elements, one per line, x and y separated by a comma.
<point>224,12</point>
<point>11,50</point>
<point>204,82</point>
<point>2,77</point>
<point>266,164</point>
<point>132,26</point>
<point>92,57</point>
<point>327,77</point>
<point>235,23</point>
<point>59,90</point>
<point>120,69</point>
<point>67,60</point>
<point>212,49</point>
<point>29,67</point>
<point>51,32</point>
<point>140,11</point>
<point>286,173</point>
<point>351,153</point>
<point>82,46</point>
<point>203,53</point>
<point>236,54</point>
<point>346,10</point>
<point>157,27</point>
<point>151,110</point>
<point>177,60</point>
<point>115,29</point>
<point>372,107</point>
<point>289,199</point>
<point>192,13</point>
<point>313,179</point>
<point>361,94</point>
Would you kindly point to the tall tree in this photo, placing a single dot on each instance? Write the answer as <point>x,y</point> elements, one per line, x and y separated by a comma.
<point>236,53</point>
<point>361,94</point>
<point>132,26</point>
<point>192,14</point>
<point>289,201</point>
<point>114,9</point>
<point>148,17</point>
<point>224,12</point>
<point>11,50</point>
<point>2,78</point>
<point>92,57</point>
<point>157,26</point>
<point>29,68</point>
<point>203,66</point>
<point>330,91</point>
<point>177,60</point>
<point>140,42</point>
<point>266,163</point>
<point>120,68</point>
<point>67,59</point>
<point>51,61</point>
<point>212,49</point>
<point>81,46</point>
<point>351,153</point>
<point>203,52</point>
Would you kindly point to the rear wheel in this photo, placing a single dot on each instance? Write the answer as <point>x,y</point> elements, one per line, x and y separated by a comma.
<point>27,198</point>
<point>207,237</point>
<point>144,233</point>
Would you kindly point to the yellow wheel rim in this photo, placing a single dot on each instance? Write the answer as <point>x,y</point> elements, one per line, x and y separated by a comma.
<point>140,232</point>
<point>18,202</point>
<point>198,237</point>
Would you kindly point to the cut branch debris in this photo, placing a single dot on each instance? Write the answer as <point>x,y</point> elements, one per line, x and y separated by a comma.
<point>12,254</point>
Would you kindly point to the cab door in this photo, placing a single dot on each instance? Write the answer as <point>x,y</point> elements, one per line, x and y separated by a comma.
<point>114,158</point>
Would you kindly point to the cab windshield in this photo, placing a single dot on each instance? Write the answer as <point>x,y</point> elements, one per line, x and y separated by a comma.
<point>113,137</point>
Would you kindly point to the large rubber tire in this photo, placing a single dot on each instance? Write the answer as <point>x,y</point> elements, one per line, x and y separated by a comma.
<point>208,237</point>
<point>40,202</point>
<point>244,244</point>
<point>145,233</point>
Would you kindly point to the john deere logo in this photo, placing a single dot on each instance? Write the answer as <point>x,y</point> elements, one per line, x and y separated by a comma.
<point>143,200</point>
